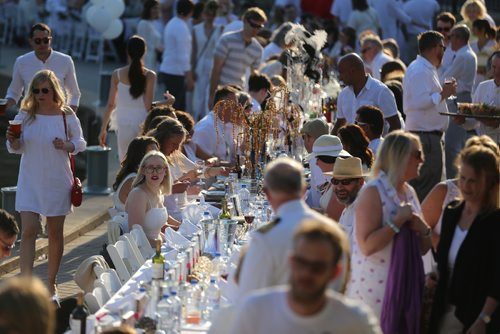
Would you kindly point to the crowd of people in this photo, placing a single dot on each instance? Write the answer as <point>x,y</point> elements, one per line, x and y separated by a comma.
<point>402,200</point>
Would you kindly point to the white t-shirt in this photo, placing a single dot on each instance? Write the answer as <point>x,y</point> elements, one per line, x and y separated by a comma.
<point>268,311</point>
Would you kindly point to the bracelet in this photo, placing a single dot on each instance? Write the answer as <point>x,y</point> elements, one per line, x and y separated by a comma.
<point>392,226</point>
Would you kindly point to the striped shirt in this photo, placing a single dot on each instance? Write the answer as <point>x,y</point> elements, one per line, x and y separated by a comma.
<point>237,56</point>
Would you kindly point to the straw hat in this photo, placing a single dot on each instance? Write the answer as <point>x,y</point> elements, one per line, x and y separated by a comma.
<point>330,146</point>
<point>347,168</point>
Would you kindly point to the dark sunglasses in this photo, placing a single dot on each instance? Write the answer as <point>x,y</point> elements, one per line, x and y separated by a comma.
<point>344,182</point>
<point>39,41</point>
<point>37,91</point>
<point>255,25</point>
<point>315,267</point>
<point>360,123</point>
<point>443,29</point>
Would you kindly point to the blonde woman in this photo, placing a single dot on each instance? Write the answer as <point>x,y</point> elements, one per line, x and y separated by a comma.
<point>471,11</point>
<point>144,204</point>
<point>45,177</point>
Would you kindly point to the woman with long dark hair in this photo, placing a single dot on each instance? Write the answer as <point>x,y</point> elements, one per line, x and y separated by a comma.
<point>131,95</point>
<point>356,143</point>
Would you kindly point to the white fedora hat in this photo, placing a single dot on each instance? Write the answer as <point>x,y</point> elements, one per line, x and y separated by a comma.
<point>330,146</point>
<point>347,168</point>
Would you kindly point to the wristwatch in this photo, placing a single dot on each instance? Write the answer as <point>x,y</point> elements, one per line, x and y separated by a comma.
<point>486,318</point>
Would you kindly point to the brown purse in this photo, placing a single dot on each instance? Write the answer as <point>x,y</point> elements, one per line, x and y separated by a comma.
<point>76,189</point>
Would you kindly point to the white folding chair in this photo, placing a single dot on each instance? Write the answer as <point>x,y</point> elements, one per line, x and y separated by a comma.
<point>122,265</point>
<point>97,298</point>
<point>134,247</point>
<point>110,280</point>
<point>142,241</point>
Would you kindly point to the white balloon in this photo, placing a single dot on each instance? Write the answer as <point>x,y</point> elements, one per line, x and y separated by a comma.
<point>115,7</point>
<point>97,2</point>
<point>100,20</point>
<point>90,12</point>
<point>114,30</point>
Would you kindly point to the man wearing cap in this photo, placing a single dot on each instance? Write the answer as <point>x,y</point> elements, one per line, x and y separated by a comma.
<point>311,131</point>
<point>326,149</point>
<point>347,181</point>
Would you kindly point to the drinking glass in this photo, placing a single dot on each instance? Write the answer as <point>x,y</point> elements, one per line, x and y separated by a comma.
<point>200,169</point>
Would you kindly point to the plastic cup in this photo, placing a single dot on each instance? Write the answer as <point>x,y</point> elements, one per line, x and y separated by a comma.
<point>3,105</point>
<point>15,128</point>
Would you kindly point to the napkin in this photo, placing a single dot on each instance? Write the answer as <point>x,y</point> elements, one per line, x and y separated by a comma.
<point>175,239</point>
<point>187,228</point>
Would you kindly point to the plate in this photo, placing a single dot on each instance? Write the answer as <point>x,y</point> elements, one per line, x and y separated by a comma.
<point>470,116</point>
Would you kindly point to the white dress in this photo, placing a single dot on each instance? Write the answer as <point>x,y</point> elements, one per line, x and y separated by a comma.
<point>369,273</point>
<point>45,178</point>
<point>117,203</point>
<point>205,46</point>
<point>130,113</point>
<point>153,222</point>
<point>147,30</point>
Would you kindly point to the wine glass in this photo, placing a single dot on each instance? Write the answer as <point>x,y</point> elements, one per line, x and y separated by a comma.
<point>200,169</point>
<point>451,81</point>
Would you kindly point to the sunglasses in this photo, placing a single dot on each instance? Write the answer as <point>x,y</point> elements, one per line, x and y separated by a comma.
<point>360,123</point>
<point>44,40</point>
<point>37,91</point>
<point>153,169</point>
<point>344,182</point>
<point>443,29</point>
<point>315,267</point>
<point>255,25</point>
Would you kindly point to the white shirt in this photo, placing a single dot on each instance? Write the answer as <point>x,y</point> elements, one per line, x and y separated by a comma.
<point>363,20</point>
<point>266,261</point>
<point>422,98</point>
<point>487,92</point>
<point>347,221</point>
<point>446,61</point>
<point>463,69</point>
<point>27,65</point>
<point>268,311</point>
<point>390,12</point>
<point>422,11</point>
<point>341,9</point>
<point>256,106</point>
<point>374,93</point>
<point>317,179</point>
<point>177,43</point>
<point>272,49</point>
<point>218,143</point>
<point>374,144</point>
<point>376,65</point>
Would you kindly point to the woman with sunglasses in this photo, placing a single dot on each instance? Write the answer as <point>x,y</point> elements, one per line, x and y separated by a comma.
<point>45,178</point>
<point>145,202</point>
<point>468,254</point>
<point>390,237</point>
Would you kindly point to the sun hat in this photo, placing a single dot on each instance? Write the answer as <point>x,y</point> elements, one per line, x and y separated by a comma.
<point>347,168</point>
<point>330,146</point>
<point>315,128</point>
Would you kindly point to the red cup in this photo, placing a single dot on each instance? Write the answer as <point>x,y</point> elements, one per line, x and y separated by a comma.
<point>15,128</point>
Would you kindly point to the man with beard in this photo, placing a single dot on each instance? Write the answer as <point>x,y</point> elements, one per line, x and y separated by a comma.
<point>347,180</point>
<point>307,305</point>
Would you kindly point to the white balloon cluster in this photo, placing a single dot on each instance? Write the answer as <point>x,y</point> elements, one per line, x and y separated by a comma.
<point>104,16</point>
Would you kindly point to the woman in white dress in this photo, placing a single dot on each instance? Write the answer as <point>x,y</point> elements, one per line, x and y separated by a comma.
<point>45,178</point>
<point>388,214</point>
<point>145,202</point>
<point>363,17</point>
<point>147,29</point>
<point>205,37</point>
<point>131,95</point>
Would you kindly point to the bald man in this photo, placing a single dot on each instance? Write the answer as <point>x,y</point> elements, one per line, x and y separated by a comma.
<point>361,89</point>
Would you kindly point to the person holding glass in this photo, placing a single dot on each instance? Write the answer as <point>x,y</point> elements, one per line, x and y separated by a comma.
<point>468,254</point>
<point>45,177</point>
<point>390,237</point>
<point>144,204</point>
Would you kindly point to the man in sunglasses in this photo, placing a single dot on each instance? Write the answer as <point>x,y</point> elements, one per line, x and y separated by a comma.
<point>8,233</point>
<point>306,305</point>
<point>238,51</point>
<point>445,21</point>
<point>41,58</point>
<point>347,180</point>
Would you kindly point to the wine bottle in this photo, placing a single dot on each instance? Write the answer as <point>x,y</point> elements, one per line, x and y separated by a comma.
<point>158,262</point>
<point>224,214</point>
<point>78,321</point>
<point>238,166</point>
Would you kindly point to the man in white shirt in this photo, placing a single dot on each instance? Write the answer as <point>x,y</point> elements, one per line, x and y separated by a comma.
<point>463,70</point>
<point>307,305</point>
<point>43,57</point>
<point>175,68</point>
<point>361,89</point>
<point>341,9</point>
<point>259,87</point>
<point>422,11</point>
<point>265,263</point>
<point>423,99</point>
<point>373,54</point>
<point>311,131</point>
<point>218,141</point>
<point>371,120</point>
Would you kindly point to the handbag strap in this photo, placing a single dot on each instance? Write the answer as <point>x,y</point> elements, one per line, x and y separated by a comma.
<point>71,158</point>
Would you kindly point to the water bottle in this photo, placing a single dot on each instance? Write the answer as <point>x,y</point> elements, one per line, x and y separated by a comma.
<point>213,297</point>
<point>244,195</point>
<point>164,311</point>
<point>209,229</point>
<point>193,304</point>
<point>216,265</point>
<point>177,311</point>
<point>203,204</point>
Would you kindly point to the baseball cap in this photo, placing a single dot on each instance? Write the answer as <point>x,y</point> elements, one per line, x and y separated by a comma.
<point>315,128</point>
